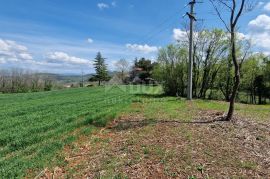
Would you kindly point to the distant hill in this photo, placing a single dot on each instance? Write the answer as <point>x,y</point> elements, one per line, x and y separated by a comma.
<point>69,78</point>
<point>66,78</point>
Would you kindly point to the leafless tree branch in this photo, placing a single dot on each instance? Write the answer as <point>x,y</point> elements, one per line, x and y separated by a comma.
<point>219,15</point>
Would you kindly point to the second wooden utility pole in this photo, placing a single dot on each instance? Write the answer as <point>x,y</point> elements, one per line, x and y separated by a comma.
<point>190,65</point>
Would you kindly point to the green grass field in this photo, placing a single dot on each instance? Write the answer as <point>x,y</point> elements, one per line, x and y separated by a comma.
<point>35,127</point>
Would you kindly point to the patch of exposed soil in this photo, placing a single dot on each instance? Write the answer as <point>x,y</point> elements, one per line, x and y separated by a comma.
<point>135,147</point>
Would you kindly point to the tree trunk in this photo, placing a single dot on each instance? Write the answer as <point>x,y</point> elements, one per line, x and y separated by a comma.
<point>234,17</point>
<point>228,82</point>
<point>260,98</point>
<point>236,77</point>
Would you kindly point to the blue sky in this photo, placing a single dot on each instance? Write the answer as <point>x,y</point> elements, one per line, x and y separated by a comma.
<point>63,36</point>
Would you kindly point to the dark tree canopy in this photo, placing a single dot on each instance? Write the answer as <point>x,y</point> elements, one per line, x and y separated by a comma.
<point>101,69</point>
<point>143,69</point>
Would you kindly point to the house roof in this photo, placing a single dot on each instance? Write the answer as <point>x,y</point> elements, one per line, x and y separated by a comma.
<point>138,69</point>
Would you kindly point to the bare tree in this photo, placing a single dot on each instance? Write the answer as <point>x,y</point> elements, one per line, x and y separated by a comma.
<point>21,81</point>
<point>3,80</point>
<point>123,67</point>
<point>236,9</point>
<point>35,82</point>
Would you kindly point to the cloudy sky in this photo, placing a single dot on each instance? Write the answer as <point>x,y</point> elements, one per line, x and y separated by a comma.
<point>61,36</point>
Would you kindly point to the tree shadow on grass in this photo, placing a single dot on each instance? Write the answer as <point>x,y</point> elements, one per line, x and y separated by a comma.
<point>133,124</point>
<point>126,125</point>
<point>144,95</point>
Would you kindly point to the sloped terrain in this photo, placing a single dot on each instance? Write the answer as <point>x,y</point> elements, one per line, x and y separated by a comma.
<point>140,145</point>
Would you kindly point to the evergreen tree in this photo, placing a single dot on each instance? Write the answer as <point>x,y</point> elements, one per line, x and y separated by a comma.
<point>101,69</point>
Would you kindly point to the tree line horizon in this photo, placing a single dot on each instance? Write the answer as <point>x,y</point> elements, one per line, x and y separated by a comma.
<point>212,71</point>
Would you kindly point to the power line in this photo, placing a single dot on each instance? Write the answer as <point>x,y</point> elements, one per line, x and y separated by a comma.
<point>161,24</point>
<point>160,27</point>
<point>154,35</point>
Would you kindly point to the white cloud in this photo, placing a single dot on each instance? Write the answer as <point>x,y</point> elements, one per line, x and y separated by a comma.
<point>182,35</point>
<point>102,6</point>
<point>42,46</point>
<point>64,58</point>
<point>259,4</point>
<point>267,7</point>
<point>242,36</point>
<point>259,32</point>
<point>26,56</point>
<point>261,23</point>
<point>142,48</point>
<point>2,61</point>
<point>15,55</point>
<point>261,40</point>
<point>89,40</point>
<point>179,34</point>
<point>11,51</point>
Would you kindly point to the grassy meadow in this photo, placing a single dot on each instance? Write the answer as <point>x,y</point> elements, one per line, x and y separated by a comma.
<point>35,127</point>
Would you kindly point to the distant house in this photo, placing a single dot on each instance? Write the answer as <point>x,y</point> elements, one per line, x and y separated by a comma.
<point>139,76</point>
<point>137,80</point>
<point>150,81</point>
<point>135,75</point>
<point>138,69</point>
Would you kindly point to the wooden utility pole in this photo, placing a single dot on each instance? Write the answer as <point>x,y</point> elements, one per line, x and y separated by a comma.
<point>190,66</point>
<point>82,78</point>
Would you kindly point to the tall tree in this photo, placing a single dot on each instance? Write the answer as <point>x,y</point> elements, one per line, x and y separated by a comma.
<point>101,69</point>
<point>235,12</point>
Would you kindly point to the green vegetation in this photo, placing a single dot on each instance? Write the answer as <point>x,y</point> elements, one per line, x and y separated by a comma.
<point>171,108</point>
<point>213,72</point>
<point>35,126</point>
<point>144,137</point>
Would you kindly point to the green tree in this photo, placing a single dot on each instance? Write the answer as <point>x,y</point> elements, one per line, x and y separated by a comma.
<point>267,77</point>
<point>146,69</point>
<point>172,69</point>
<point>209,49</point>
<point>251,69</point>
<point>101,69</point>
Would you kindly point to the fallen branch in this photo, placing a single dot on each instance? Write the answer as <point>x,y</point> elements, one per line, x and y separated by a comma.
<point>40,174</point>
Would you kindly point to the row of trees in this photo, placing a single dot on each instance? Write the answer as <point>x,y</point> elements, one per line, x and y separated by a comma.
<point>21,81</point>
<point>256,79</point>
<point>213,73</point>
<point>138,73</point>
